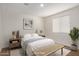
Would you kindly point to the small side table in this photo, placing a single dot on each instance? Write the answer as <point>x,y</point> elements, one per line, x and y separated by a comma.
<point>15,43</point>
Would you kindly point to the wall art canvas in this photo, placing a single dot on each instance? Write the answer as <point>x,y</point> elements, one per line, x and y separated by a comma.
<point>27,23</point>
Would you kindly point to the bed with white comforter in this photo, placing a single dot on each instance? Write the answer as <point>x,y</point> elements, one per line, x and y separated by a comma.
<point>32,42</point>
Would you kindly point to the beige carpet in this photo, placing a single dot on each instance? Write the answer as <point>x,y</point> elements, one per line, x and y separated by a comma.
<point>17,52</point>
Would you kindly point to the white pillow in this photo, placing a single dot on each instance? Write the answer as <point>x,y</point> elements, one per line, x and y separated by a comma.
<point>33,35</point>
<point>27,35</point>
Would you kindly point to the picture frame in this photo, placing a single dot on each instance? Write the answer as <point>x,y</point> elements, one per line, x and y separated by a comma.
<point>27,23</point>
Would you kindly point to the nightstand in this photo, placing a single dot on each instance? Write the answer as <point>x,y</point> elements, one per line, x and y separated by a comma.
<point>15,43</point>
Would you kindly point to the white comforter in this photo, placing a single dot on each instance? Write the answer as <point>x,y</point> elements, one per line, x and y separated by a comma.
<point>32,43</point>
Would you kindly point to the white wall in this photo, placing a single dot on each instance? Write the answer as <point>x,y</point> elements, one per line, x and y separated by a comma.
<point>0,29</point>
<point>13,21</point>
<point>62,37</point>
<point>1,35</point>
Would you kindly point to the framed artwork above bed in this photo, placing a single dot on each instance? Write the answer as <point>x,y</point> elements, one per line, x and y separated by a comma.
<point>27,23</point>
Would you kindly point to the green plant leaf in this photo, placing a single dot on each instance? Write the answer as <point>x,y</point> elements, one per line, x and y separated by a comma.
<point>74,33</point>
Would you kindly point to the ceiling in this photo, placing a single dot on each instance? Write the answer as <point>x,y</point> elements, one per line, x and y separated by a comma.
<point>35,9</point>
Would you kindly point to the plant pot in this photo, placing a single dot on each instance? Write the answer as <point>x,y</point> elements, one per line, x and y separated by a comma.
<point>74,47</point>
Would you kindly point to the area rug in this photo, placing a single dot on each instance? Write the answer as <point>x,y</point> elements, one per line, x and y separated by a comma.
<point>17,52</point>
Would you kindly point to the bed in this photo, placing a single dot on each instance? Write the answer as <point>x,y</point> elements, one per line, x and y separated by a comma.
<point>33,44</point>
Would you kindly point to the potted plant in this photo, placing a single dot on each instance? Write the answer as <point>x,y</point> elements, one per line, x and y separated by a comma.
<point>74,34</point>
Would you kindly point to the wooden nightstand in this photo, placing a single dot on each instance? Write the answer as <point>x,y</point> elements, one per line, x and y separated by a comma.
<point>15,43</point>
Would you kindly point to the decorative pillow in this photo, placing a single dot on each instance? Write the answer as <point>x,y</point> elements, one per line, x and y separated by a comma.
<point>27,35</point>
<point>34,35</point>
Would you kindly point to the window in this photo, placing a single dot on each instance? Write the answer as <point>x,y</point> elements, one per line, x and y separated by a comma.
<point>61,24</point>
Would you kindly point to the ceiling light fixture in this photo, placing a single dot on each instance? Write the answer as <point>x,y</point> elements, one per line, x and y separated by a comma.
<point>42,5</point>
